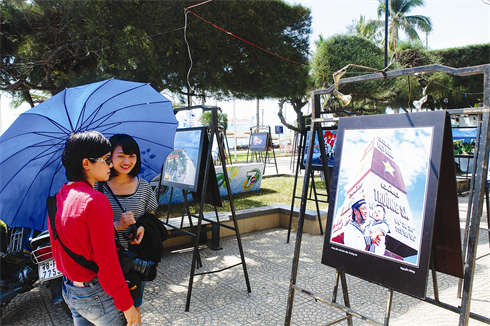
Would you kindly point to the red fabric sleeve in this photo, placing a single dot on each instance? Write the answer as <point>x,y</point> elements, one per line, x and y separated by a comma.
<point>101,232</point>
<point>84,224</point>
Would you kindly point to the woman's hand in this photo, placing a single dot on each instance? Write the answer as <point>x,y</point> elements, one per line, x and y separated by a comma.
<point>139,235</point>
<point>127,218</point>
<point>131,316</point>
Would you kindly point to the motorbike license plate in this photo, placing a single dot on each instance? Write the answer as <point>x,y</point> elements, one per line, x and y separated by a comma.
<point>47,270</point>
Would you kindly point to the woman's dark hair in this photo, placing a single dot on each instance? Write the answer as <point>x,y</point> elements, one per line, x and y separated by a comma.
<point>129,146</point>
<point>80,145</point>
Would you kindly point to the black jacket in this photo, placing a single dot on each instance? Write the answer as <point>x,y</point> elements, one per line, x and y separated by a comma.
<point>151,247</point>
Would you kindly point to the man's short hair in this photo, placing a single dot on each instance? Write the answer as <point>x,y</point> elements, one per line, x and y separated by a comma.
<point>80,145</point>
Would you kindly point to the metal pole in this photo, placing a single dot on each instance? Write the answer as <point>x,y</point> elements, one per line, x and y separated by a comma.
<point>386,33</point>
<point>476,210</point>
<point>234,126</point>
<point>257,113</point>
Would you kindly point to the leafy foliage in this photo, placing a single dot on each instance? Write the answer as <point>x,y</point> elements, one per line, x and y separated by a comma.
<point>337,52</point>
<point>50,45</point>
<point>206,118</point>
<point>449,92</point>
<point>399,20</point>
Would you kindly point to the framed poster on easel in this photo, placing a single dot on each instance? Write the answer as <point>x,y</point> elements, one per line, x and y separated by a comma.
<point>386,198</point>
<point>184,167</point>
<point>330,141</point>
<point>181,169</point>
<point>259,142</point>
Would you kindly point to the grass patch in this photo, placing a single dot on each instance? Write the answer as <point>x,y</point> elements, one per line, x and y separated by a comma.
<point>241,156</point>
<point>273,191</point>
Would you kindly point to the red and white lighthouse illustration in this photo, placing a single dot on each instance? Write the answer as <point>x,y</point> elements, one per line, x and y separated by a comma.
<point>376,216</point>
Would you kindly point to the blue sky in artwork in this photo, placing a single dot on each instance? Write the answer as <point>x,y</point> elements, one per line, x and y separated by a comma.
<point>411,150</point>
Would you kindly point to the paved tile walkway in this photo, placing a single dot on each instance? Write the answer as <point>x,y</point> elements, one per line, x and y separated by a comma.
<point>222,299</point>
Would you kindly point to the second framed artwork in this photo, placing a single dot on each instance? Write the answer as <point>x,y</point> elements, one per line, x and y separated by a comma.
<point>259,142</point>
<point>383,198</point>
<point>181,169</point>
<point>330,141</point>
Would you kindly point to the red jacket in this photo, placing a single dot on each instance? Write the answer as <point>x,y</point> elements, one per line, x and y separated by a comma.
<point>84,225</point>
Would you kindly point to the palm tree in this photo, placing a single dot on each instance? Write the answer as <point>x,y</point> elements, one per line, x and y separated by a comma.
<point>400,20</point>
<point>367,28</point>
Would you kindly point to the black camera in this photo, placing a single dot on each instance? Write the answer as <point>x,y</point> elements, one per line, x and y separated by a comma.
<point>130,263</point>
<point>131,233</point>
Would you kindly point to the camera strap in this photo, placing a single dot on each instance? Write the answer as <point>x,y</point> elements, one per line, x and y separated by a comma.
<point>132,227</point>
<point>81,260</point>
<point>100,187</point>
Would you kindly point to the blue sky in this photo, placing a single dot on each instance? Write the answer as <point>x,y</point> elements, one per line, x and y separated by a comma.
<point>455,23</point>
<point>411,149</point>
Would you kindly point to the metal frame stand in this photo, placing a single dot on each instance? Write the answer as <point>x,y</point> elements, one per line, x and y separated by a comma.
<point>475,205</point>
<point>209,160</point>
<point>298,161</point>
<point>295,149</point>
<point>259,157</point>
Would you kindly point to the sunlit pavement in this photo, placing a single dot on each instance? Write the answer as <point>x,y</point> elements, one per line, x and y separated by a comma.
<point>222,298</point>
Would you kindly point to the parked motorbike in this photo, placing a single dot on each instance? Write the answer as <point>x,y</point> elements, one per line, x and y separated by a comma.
<point>25,259</point>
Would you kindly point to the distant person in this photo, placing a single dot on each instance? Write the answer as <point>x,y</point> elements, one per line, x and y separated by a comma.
<point>377,230</point>
<point>84,224</point>
<point>354,236</point>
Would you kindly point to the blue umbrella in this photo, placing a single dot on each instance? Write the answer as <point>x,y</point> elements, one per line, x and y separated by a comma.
<point>31,148</point>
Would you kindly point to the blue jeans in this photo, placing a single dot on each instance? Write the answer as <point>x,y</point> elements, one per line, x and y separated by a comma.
<point>91,305</point>
<point>137,303</point>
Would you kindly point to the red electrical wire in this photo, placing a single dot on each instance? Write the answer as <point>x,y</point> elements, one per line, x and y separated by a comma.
<point>197,4</point>
<point>229,33</point>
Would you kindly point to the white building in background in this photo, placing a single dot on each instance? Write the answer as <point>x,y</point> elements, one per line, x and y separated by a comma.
<point>244,115</point>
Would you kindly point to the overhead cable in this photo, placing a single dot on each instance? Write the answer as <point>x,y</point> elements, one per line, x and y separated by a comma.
<point>241,39</point>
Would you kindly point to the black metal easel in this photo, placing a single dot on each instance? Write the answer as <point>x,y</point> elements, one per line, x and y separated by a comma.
<point>209,161</point>
<point>313,187</point>
<point>259,156</point>
<point>475,204</point>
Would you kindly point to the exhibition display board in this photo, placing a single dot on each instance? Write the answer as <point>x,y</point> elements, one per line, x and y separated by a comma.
<point>379,186</point>
<point>243,178</point>
<point>385,190</point>
<point>191,169</point>
<point>330,142</point>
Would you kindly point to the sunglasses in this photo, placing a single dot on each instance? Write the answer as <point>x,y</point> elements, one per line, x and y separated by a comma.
<point>107,161</point>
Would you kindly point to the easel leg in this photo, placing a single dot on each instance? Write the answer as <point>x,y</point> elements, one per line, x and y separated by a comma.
<point>487,202</point>
<point>388,307</point>
<point>346,296</point>
<point>294,196</point>
<point>316,203</point>
<point>193,230</point>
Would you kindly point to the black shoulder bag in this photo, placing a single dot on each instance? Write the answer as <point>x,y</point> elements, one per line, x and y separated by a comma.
<point>133,281</point>
<point>88,264</point>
